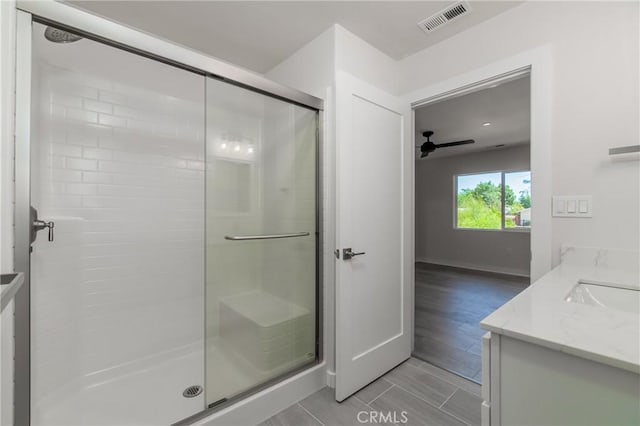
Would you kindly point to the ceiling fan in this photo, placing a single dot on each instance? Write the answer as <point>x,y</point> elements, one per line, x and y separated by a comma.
<point>428,147</point>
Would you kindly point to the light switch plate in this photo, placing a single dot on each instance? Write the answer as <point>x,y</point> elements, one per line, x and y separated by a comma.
<point>572,206</point>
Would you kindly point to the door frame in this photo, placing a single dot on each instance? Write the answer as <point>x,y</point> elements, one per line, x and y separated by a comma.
<point>538,63</point>
<point>266,399</point>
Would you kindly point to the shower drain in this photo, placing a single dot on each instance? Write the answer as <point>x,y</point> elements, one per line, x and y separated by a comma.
<point>192,391</point>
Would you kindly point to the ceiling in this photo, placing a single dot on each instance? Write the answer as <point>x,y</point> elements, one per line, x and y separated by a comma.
<point>506,107</point>
<point>260,34</point>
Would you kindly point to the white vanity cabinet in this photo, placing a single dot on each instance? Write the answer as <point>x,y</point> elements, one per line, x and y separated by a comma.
<point>528,384</point>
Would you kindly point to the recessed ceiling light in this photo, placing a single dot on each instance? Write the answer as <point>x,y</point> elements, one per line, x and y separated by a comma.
<point>486,124</point>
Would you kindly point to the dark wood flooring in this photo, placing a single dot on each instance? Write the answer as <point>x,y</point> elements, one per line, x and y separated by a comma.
<point>450,303</point>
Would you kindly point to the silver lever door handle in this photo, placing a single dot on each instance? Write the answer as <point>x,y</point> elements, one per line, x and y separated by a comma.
<point>347,253</point>
<point>39,225</point>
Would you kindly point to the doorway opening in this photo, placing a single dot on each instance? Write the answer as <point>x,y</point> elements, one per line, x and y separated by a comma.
<point>472,216</point>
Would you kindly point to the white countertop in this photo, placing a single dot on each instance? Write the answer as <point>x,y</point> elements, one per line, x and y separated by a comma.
<point>540,314</point>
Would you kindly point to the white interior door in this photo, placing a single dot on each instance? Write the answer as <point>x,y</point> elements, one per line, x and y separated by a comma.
<point>373,293</point>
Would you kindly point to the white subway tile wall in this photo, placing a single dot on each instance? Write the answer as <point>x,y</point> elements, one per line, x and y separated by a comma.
<point>120,170</point>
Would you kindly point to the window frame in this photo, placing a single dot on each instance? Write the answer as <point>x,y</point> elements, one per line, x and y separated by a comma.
<point>502,172</point>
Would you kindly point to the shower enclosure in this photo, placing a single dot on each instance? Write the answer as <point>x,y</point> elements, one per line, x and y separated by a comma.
<point>171,220</point>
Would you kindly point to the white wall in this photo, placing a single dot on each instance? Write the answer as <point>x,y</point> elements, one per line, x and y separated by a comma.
<point>310,69</point>
<point>364,61</point>
<point>436,239</point>
<point>595,102</point>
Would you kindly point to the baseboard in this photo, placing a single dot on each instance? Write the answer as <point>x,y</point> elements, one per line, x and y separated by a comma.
<point>475,267</point>
<point>259,407</point>
<point>331,379</point>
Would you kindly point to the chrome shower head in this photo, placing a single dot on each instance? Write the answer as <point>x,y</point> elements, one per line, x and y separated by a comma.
<point>59,36</point>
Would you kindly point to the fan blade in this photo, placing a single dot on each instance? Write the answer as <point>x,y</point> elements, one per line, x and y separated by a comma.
<point>465,142</point>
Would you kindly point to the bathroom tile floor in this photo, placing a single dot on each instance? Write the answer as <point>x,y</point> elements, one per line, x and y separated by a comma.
<point>414,393</point>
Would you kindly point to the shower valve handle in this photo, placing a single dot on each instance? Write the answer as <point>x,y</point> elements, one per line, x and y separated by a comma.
<point>39,225</point>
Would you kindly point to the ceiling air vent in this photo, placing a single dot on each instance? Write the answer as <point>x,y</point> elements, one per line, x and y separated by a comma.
<point>443,17</point>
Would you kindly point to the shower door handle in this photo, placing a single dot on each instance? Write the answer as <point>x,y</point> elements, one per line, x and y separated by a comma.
<point>39,225</point>
<point>264,237</point>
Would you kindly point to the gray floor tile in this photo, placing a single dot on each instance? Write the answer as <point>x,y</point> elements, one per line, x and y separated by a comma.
<point>464,406</point>
<point>396,401</point>
<point>432,397</point>
<point>324,407</point>
<point>455,380</point>
<point>478,377</point>
<point>292,416</point>
<point>476,347</point>
<point>373,390</point>
<point>420,383</point>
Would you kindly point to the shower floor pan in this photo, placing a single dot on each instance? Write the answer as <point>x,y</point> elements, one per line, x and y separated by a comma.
<point>266,330</point>
<point>149,396</point>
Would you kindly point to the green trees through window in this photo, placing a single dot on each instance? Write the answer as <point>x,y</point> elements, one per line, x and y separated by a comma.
<point>481,201</point>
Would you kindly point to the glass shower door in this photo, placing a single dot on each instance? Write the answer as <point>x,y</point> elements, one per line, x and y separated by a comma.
<point>261,239</point>
<point>117,163</point>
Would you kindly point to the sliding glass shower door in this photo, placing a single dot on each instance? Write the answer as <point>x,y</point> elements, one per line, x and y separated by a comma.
<point>117,165</point>
<point>177,263</point>
<point>261,239</point>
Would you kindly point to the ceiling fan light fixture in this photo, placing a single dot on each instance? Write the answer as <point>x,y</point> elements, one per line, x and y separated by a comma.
<point>428,147</point>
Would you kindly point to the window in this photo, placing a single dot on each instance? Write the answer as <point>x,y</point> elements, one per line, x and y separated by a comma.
<point>497,200</point>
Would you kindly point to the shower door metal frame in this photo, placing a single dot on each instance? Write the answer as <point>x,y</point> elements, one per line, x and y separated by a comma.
<point>128,39</point>
<point>109,32</point>
<point>22,253</point>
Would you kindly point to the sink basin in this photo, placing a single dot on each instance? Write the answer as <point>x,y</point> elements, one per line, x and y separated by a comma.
<point>606,296</point>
